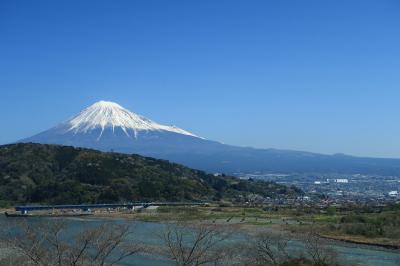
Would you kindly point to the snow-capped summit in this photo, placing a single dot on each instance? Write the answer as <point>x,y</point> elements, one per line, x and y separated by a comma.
<point>104,114</point>
<point>108,126</point>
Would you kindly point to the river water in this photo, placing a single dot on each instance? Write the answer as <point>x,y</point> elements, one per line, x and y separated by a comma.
<point>148,233</point>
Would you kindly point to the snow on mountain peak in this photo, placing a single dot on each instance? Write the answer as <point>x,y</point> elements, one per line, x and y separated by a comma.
<point>105,114</point>
<point>106,104</point>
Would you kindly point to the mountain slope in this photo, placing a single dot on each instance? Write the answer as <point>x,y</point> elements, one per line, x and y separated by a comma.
<point>62,174</point>
<point>107,126</point>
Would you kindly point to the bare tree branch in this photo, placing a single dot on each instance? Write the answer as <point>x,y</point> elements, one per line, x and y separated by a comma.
<point>194,245</point>
<point>48,244</point>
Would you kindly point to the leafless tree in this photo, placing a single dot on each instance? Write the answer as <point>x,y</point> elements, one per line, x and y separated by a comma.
<point>266,248</point>
<point>319,251</point>
<point>49,244</point>
<point>195,245</point>
<point>271,249</point>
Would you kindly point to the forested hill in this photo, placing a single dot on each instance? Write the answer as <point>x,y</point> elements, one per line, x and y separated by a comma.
<point>39,173</point>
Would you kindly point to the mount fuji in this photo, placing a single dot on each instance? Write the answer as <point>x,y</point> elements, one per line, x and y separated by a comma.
<point>107,126</point>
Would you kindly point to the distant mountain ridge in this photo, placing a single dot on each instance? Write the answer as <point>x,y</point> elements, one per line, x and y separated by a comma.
<point>107,126</point>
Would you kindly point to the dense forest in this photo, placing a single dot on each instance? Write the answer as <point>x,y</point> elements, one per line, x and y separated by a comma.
<point>38,173</point>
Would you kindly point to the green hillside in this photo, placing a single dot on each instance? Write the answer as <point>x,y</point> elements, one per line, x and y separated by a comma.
<point>37,173</point>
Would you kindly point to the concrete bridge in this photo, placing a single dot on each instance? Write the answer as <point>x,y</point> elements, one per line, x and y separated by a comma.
<point>88,207</point>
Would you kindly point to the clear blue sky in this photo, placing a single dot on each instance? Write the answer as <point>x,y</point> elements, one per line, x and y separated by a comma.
<point>320,76</point>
